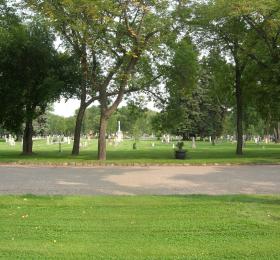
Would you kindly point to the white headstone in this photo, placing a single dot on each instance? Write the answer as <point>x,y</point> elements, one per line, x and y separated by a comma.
<point>119,133</point>
<point>48,140</point>
<point>168,139</point>
<point>11,141</point>
<point>266,140</point>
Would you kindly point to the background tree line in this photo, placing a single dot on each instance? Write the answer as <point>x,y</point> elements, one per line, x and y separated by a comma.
<point>135,122</point>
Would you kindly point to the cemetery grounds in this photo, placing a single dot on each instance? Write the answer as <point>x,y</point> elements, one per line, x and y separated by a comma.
<point>147,152</point>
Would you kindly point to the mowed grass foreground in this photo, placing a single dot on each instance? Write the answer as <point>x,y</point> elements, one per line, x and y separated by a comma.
<point>161,153</point>
<point>173,227</point>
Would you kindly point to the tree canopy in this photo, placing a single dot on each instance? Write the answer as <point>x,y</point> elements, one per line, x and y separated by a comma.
<point>31,72</point>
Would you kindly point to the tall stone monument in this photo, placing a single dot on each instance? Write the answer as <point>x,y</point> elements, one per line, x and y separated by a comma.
<point>119,133</point>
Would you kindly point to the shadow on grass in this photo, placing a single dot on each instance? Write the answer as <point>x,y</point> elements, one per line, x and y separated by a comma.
<point>257,199</point>
<point>244,199</point>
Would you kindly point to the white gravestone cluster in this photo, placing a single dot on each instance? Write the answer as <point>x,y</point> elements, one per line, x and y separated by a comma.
<point>165,139</point>
<point>10,140</point>
<point>83,144</point>
<point>54,139</point>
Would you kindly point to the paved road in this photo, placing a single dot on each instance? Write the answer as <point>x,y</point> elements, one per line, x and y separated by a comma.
<point>141,180</point>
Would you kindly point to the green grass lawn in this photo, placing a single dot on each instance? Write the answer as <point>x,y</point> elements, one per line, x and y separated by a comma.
<point>162,153</point>
<point>144,227</point>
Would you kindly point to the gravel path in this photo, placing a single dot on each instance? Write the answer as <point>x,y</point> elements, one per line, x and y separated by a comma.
<point>154,180</point>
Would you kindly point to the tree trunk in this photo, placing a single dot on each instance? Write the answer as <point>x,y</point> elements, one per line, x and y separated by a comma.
<point>27,138</point>
<point>277,133</point>
<point>105,114</point>
<point>106,111</point>
<point>213,140</point>
<point>239,112</point>
<point>83,104</point>
<point>102,138</point>
<point>78,129</point>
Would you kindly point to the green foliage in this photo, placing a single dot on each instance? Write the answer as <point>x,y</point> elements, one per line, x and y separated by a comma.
<point>264,21</point>
<point>58,125</point>
<point>135,122</point>
<point>109,38</point>
<point>8,18</point>
<point>249,32</point>
<point>197,105</point>
<point>180,145</point>
<point>184,67</point>
<point>30,73</point>
<point>216,74</point>
<point>181,77</point>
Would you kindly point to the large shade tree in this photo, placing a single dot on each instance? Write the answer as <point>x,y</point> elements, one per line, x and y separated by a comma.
<point>200,105</point>
<point>263,19</point>
<point>30,70</point>
<point>79,25</point>
<point>216,28</point>
<point>257,27</point>
<point>115,41</point>
<point>181,77</point>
